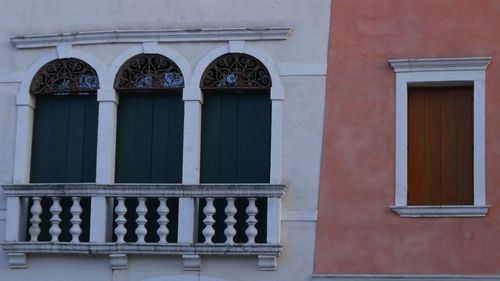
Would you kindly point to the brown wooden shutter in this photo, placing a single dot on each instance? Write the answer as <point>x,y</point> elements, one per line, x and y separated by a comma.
<point>440,146</point>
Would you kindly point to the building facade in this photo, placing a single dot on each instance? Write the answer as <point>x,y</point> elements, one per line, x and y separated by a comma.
<point>170,140</point>
<point>410,155</point>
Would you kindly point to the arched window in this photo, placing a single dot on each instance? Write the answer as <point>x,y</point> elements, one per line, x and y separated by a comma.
<point>64,135</point>
<point>150,120</point>
<point>65,124</point>
<point>236,132</point>
<point>150,131</point>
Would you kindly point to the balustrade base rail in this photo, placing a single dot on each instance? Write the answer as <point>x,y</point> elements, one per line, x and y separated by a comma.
<point>142,249</point>
<point>144,219</point>
<point>190,253</point>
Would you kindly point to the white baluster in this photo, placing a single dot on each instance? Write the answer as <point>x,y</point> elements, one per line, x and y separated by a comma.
<point>252,211</point>
<point>55,210</point>
<point>141,230</point>
<point>35,219</point>
<point>120,220</point>
<point>76,211</point>
<point>163,220</point>
<point>230,221</point>
<point>209,220</point>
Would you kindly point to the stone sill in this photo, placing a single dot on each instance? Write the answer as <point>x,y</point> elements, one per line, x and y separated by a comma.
<point>142,249</point>
<point>266,253</point>
<point>440,211</point>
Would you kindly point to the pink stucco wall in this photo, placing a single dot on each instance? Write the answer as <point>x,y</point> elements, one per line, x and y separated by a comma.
<point>357,232</point>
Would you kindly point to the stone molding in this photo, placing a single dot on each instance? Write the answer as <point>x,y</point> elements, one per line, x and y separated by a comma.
<point>440,64</point>
<point>440,211</point>
<point>147,190</point>
<point>156,35</point>
<point>440,72</point>
<point>118,253</point>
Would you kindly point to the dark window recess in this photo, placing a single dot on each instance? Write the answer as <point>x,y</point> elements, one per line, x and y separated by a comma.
<point>236,141</point>
<point>65,224</point>
<point>440,146</point>
<point>241,216</point>
<point>64,139</point>
<point>149,138</point>
<point>236,137</point>
<point>152,220</point>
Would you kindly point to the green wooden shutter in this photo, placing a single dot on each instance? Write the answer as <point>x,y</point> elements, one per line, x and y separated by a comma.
<point>149,138</point>
<point>236,137</point>
<point>236,148</point>
<point>64,139</point>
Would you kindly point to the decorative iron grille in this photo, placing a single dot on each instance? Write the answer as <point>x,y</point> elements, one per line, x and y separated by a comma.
<point>149,71</point>
<point>69,75</point>
<point>236,70</point>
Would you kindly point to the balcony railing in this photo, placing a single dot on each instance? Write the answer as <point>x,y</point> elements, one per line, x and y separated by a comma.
<point>136,219</point>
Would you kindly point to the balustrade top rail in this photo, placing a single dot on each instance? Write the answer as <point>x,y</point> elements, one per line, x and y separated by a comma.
<point>145,190</point>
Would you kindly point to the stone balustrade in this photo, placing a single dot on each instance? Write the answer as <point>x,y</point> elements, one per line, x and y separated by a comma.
<point>133,219</point>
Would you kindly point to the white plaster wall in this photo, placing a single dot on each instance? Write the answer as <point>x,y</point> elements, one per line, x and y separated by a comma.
<point>302,126</point>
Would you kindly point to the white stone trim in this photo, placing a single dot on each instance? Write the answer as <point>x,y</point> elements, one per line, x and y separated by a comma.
<point>145,190</point>
<point>440,211</point>
<point>277,97</point>
<point>191,262</point>
<point>439,72</point>
<point>142,249</point>
<point>440,64</point>
<point>157,35</point>
<point>17,260</point>
<point>118,261</point>
<point>267,263</point>
<point>26,104</point>
<point>412,277</point>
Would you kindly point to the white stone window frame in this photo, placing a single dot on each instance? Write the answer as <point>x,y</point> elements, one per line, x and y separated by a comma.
<point>108,100</point>
<point>440,72</point>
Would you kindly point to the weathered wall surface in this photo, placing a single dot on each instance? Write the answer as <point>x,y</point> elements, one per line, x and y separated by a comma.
<point>302,126</point>
<point>357,232</point>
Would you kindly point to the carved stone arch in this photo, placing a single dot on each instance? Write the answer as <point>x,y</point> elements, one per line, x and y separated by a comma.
<point>149,72</point>
<point>236,71</point>
<point>65,75</point>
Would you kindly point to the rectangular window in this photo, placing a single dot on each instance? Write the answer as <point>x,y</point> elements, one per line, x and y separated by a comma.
<point>440,146</point>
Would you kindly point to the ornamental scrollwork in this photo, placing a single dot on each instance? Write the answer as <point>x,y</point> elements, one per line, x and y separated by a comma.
<point>69,75</point>
<point>149,72</point>
<point>236,70</point>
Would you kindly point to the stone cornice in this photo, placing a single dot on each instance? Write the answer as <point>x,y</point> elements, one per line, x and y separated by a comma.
<point>155,35</point>
<point>440,64</point>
